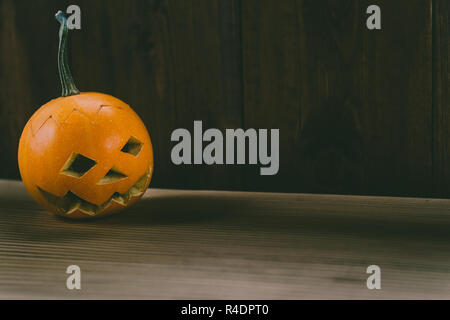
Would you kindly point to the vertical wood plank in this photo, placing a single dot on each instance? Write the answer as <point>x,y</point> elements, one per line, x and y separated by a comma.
<point>397,110</point>
<point>353,105</point>
<point>441,98</point>
<point>10,95</point>
<point>274,84</point>
<point>28,70</point>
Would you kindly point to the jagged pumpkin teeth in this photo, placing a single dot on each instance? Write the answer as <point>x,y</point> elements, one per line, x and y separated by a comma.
<point>70,202</point>
<point>84,154</point>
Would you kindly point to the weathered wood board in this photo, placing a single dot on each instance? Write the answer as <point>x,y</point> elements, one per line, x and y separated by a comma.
<point>228,245</point>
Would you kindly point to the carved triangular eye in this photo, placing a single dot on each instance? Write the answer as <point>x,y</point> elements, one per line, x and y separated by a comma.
<point>112,176</point>
<point>133,146</point>
<point>77,165</point>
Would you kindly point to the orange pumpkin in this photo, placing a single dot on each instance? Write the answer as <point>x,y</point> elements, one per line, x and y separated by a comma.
<point>84,154</point>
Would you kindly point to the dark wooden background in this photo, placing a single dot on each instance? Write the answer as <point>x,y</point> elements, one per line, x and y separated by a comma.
<point>359,111</point>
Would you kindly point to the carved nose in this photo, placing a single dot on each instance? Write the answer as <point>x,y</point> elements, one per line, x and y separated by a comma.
<point>113,175</point>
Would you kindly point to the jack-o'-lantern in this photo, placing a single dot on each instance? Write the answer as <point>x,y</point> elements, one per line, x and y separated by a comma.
<point>84,154</point>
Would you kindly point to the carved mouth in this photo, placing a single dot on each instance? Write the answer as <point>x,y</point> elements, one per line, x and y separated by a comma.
<point>70,202</point>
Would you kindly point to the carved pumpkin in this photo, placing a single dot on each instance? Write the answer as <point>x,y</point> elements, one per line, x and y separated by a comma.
<point>84,154</point>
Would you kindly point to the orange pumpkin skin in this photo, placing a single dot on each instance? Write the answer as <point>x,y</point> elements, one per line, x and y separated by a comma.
<point>85,155</point>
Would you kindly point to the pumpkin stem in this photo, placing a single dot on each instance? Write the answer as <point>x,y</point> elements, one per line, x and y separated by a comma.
<point>67,83</point>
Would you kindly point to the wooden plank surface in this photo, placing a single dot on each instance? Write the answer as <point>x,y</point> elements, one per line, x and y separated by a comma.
<point>215,245</point>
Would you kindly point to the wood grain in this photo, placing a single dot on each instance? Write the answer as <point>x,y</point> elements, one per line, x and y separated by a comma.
<point>359,111</point>
<point>354,106</point>
<point>441,97</point>
<point>228,245</point>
